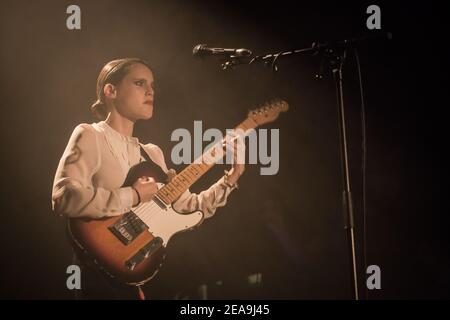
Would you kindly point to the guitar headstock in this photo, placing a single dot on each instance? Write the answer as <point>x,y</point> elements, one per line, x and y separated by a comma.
<point>268,112</point>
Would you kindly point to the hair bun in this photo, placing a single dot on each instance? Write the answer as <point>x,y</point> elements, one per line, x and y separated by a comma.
<point>98,108</point>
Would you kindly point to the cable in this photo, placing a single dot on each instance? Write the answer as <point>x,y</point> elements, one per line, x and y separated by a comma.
<point>363,165</point>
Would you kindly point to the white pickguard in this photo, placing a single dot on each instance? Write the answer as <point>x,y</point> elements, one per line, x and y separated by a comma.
<point>165,223</point>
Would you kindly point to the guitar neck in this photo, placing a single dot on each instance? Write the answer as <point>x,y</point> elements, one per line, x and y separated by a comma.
<point>182,181</point>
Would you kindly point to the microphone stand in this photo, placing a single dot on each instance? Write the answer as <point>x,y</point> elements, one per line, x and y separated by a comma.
<point>334,53</point>
<point>336,59</point>
<point>269,59</point>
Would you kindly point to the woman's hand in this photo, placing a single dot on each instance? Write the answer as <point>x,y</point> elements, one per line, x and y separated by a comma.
<point>235,142</point>
<point>145,189</point>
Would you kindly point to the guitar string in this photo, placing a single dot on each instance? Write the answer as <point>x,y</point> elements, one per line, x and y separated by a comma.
<point>146,212</point>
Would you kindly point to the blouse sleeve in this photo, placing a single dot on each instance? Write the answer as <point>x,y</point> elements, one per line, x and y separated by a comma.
<point>73,192</point>
<point>206,201</point>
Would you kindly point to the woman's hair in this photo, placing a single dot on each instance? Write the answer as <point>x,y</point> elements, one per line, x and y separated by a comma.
<point>113,72</point>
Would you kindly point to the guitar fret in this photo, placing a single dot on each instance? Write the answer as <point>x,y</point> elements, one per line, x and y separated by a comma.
<point>204,167</point>
<point>191,171</point>
<point>162,196</point>
<point>166,192</point>
<point>171,198</point>
<point>178,182</point>
<point>179,189</point>
<point>200,170</point>
<point>184,178</point>
<point>195,169</point>
<point>175,184</point>
<point>188,174</point>
<point>171,188</point>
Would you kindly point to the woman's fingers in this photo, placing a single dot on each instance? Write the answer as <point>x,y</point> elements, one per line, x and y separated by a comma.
<point>171,174</point>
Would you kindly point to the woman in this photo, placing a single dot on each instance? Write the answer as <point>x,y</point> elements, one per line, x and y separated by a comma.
<point>92,170</point>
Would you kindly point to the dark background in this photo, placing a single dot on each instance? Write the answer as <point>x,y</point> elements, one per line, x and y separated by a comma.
<point>48,76</point>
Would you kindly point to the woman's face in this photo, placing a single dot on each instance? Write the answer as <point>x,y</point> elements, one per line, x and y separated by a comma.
<point>134,94</point>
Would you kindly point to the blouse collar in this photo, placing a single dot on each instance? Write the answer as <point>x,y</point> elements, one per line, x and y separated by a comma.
<point>117,134</point>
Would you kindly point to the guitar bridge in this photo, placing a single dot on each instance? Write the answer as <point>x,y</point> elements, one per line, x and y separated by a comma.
<point>144,253</point>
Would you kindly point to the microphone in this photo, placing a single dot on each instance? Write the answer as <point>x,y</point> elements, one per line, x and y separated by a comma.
<point>202,50</point>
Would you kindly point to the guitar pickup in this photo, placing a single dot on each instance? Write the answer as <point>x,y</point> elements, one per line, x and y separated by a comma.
<point>128,227</point>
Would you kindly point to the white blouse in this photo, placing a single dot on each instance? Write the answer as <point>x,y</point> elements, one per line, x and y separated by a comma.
<point>94,166</point>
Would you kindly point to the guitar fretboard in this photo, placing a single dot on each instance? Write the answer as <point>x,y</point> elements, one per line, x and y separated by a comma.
<point>182,181</point>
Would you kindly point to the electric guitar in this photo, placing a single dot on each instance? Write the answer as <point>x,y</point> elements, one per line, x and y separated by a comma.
<point>130,248</point>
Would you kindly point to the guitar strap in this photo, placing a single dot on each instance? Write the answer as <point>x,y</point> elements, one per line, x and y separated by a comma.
<point>159,174</point>
<point>144,154</point>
